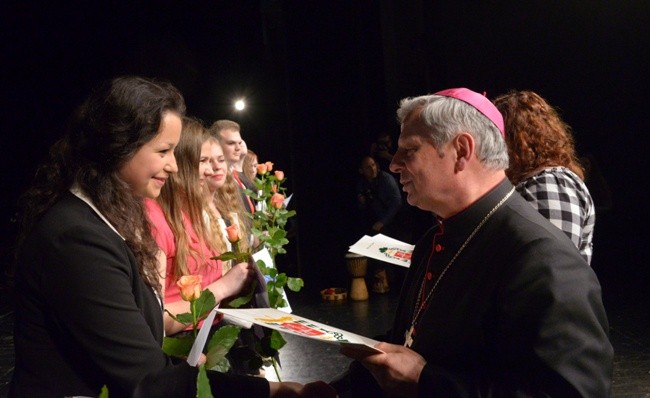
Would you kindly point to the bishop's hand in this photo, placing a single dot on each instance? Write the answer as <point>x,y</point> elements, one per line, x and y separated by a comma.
<point>397,370</point>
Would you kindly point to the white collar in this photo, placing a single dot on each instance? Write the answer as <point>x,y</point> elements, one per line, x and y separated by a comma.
<point>76,191</point>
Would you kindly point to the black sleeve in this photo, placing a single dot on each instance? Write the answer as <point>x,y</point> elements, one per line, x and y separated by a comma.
<point>171,382</point>
<point>89,282</point>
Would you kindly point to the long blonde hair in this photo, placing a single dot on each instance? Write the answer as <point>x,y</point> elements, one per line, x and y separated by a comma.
<point>247,165</point>
<point>227,200</point>
<point>183,195</point>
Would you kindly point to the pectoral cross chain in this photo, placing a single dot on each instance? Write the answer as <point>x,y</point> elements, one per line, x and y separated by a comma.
<point>408,336</point>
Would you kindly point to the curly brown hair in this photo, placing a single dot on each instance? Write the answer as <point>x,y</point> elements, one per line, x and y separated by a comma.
<point>107,130</point>
<point>537,137</point>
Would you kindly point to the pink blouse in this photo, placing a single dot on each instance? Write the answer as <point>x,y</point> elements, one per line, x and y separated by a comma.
<point>162,233</point>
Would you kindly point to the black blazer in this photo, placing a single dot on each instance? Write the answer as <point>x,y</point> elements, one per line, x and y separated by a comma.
<point>84,317</point>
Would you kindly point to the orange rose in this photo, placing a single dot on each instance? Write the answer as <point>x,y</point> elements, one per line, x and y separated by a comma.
<point>277,200</point>
<point>261,169</point>
<point>269,166</point>
<point>190,286</point>
<point>279,175</point>
<point>274,188</point>
<point>233,233</point>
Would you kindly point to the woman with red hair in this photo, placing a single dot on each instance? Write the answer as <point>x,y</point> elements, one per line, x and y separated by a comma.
<point>544,166</point>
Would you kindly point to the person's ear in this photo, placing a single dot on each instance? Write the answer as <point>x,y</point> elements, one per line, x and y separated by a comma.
<point>464,148</point>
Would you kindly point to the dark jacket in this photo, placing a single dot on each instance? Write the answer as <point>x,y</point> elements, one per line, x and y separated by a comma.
<point>84,317</point>
<point>519,312</point>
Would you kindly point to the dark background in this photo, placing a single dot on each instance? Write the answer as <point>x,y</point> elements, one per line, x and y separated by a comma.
<point>322,78</point>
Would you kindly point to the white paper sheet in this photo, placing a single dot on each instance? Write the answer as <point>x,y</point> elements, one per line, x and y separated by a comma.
<point>300,326</point>
<point>384,248</point>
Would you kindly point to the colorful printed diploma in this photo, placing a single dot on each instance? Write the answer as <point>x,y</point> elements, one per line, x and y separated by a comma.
<point>294,324</point>
<point>384,248</point>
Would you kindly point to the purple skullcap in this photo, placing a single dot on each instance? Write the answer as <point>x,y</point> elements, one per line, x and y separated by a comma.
<point>478,101</point>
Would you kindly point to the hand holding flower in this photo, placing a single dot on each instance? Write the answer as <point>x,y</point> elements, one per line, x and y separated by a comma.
<point>269,230</point>
<point>232,233</point>
<point>202,303</point>
<point>236,279</point>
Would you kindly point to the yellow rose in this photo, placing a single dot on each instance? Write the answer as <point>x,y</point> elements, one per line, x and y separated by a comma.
<point>190,286</point>
<point>279,175</point>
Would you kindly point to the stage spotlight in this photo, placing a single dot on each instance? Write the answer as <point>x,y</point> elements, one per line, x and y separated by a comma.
<point>240,105</point>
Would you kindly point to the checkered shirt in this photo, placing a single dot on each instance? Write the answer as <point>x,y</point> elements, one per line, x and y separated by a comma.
<point>563,198</point>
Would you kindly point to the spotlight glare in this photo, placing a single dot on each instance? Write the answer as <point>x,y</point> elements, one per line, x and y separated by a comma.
<point>240,105</point>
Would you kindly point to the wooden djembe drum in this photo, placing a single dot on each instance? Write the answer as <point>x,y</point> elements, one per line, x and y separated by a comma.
<point>357,267</point>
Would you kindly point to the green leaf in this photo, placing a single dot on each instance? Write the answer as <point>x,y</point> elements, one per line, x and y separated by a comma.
<point>279,301</point>
<point>205,303</point>
<point>225,336</point>
<point>262,266</point>
<point>219,345</point>
<point>279,234</point>
<point>178,346</point>
<point>221,365</point>
<point>203,384</point>
<point>185,318</point>
<point>275,300</point>
<point>281,280</point>
<point>245,299</point>
<point>104,392</point>
<point>277,341</point>
<point>174,317</point>
<point>270,344</point>
<point>236,257</point>
<point>251,193</point>
<point>295,284</point>
<point>227,256</point>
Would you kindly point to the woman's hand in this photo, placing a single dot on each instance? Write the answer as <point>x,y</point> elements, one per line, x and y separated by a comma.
<point>234,281</point>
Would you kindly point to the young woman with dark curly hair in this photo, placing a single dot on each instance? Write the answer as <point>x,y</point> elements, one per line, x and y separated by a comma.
<point>88,306</point>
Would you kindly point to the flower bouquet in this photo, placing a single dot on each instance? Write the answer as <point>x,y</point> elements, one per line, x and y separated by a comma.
<point>271,215</point>
<point>269,228</point>
<point>202,302</point>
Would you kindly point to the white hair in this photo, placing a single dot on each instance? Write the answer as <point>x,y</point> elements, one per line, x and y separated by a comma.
<point>447,117</point>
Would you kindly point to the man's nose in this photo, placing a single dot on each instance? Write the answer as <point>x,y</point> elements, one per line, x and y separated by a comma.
<point>395,165</point>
